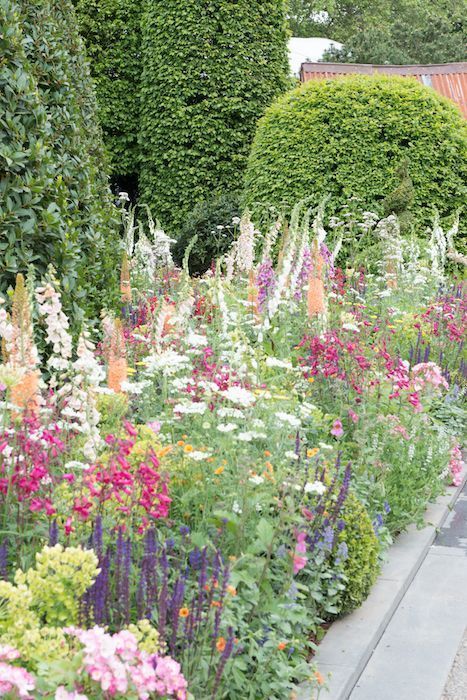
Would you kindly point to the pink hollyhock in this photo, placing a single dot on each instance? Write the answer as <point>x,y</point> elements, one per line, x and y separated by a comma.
<point>299,561</point>
<point>428,373</point>
<point>415,401</point>
<point>337,429</point>
<point>456,465</point>
<point>353,416</point>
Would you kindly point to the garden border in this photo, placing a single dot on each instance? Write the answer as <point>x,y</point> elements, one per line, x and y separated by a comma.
<point>350,641</point>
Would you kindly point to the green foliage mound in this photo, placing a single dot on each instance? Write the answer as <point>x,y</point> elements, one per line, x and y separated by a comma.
<point>349,136</point>
<point>361,565</point>
<point>211,221</point>
<point>209,71</point>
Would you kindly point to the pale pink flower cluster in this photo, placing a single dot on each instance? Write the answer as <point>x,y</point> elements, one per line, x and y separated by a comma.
<point>456,465</point>
<point>299,558</point>
<point>63,694</point>
<point>13,678</point>
<point>428,373</point>
<point>57,325</point>
<point>116,663</point>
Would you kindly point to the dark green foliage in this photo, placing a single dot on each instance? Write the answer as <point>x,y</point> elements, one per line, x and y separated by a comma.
<point>385,31</point>
<point>60,107</point>
<point>409,31</point>
<point>348,136</point>
<point>361,566</point>
<point>209,70</point>
<point>33,226</point>
<point>211,221</point>
<point>112,32</point>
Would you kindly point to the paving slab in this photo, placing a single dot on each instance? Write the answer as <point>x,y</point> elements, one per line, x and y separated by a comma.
<point>414,656</point>
<point>350,642</point>
<point>456,686</point>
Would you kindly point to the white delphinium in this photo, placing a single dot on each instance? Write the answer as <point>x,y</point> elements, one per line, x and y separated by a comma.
<point>437,248</point>
<point>303,243</point>
<point>270,239</point>
<point>281,284</point>
<point>388,230</point>
<point>56,325</point>
<point>245,244</point>
<point>80,395</point>
<point>222,306</point>
<point>184,309</point>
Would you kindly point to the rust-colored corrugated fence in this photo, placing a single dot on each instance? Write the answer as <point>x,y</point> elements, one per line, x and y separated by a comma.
<point>449,79</point>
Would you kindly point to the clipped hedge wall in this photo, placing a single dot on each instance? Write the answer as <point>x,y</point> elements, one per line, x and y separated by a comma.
<point>209,71</point>
<point>111,30</point>
<point>33,228</point>
<point>55,119</point>
<point>348,136</point>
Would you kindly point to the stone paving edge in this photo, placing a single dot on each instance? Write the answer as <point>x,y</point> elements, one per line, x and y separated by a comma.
<point>350,641</point>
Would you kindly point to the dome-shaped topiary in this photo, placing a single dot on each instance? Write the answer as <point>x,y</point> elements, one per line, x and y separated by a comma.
<point>361,565</point>
<point>348,136</point>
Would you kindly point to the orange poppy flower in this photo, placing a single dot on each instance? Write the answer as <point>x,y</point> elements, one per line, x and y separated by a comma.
<point>183,612</point>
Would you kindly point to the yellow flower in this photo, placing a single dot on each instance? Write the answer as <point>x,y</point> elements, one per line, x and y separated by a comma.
<point>131,370</point>
<point>311,453</point>
<point>219,470</point>
<point>311,380</point>
<point>188,448</point>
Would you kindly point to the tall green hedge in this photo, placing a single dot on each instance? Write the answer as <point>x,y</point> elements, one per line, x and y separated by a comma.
<point>112,32</point>
<point>348,136</point>
<point>45,64</point>
<point>33,226</point>
<point>210,68</point>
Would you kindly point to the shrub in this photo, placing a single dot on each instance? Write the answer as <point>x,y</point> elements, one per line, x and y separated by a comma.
<point>348,137</point>
<point>69,141</point>
<point>211,221</point>
<point>361,565</point>
<point>32,197</point>
<point>112,33</point>
<point>209,71</point>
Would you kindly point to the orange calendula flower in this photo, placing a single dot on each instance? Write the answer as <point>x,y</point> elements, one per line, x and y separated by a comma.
<point>231,590</point>
<point>267,453</point>
<point>180,443</point>
<point>281,646</point>
<point>220,644</point>
<point>311,379</point>
<point>219,470</point>
<point>188,448</point>
<point>183,612</point>
<point>215,604</point>
<point>319,678</point>
<point>269,467</point>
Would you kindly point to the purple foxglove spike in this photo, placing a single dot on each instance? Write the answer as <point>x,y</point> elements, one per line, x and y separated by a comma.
<point>4,560</point>
<point>53,533</point>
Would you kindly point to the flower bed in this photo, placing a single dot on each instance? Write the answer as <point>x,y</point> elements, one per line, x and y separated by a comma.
<point>186,505</point>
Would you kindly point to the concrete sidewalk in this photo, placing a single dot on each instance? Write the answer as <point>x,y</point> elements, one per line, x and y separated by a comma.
<point>415,655</point>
